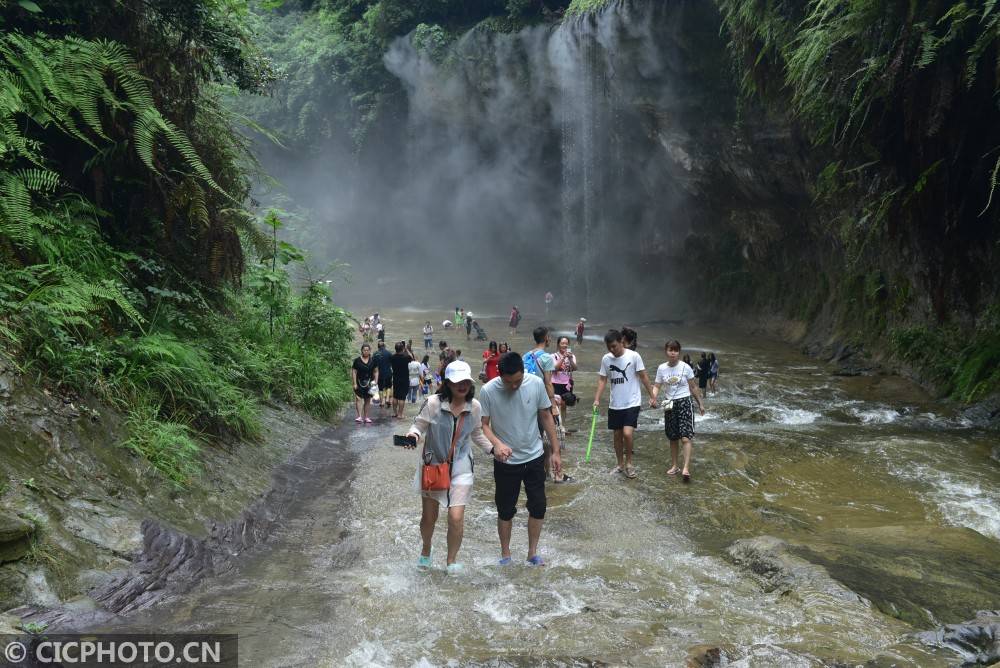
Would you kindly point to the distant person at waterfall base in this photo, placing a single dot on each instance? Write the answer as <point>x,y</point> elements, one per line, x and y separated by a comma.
<point>676,379</point>
<point>623,368</point>
<point>364,372</point>
<point>548,302</point>
<point>400,362</point>
<point>513,406</point>
<point>382,358</point>
<point>515,320</point>
<point>580,329</point>
<point>704,371</point>
<point>428,335</point>
<point>713,372</point>
<point>449,422</point>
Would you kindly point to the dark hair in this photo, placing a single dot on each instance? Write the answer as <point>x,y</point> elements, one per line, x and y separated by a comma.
<point>711,357</point>
<point>539,333</point>
<point>687,359</point>
<point>673,344</point>
<point>703,356</point>
<point>559,340</point>
<point>426,359</point>
<point>400,347</point>
<point>445,391</point>
<point>493,346</point>
<point>366,345</point>
<point>442,344</point>
<point>630,335</point>
<point>510,363</point>
<point>505,345</point>
<point>381,345</point>
<point>612,336</point>
<point>458,353</point>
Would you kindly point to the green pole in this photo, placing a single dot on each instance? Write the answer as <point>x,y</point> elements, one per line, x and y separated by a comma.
<point>590,441</point>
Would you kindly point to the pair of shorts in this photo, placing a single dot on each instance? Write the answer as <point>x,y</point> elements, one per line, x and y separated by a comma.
<point>362,392</point>
<point>619,418</point>
<point>401,390</point>
<point>560,389</point>
<point>508,479</point>
<point>679,422</point>
<point>385,382</point>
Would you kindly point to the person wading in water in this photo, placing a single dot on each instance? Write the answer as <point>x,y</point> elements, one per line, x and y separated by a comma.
<point>676,378</point>
<point>625,370</point>
<point>513,406</point>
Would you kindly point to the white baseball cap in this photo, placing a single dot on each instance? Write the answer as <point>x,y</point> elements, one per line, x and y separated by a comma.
<point>457,371</point>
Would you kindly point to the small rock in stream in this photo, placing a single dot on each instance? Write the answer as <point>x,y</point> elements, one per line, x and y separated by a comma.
<point>977,641</point>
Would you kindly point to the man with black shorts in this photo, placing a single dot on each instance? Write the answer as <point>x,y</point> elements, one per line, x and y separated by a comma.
<point>625,370</point>
<point>382,358</point>
<point>513,406</point>
<point>400,363</point>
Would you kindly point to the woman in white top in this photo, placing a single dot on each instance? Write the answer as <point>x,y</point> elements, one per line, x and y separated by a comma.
<point>450,415</point>
<point>678,417</point>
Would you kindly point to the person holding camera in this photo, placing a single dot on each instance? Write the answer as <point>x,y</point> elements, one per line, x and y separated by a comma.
<point>449,422</point>
<point>678,417</point>
<point>562,377</point>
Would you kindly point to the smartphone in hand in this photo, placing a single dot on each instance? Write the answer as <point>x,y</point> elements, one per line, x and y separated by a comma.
<point>405,441</point>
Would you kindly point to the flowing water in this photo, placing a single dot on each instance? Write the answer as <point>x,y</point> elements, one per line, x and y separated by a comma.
<point>887,490</point>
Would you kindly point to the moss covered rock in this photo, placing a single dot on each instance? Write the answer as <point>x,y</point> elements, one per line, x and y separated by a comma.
<point>15,537</point>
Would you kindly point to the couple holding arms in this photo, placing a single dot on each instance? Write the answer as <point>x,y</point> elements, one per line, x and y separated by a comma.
<point>504,423</point>
<point>623,368</point>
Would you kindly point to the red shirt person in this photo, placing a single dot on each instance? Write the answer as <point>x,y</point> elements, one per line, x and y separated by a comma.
<point>491,358</point>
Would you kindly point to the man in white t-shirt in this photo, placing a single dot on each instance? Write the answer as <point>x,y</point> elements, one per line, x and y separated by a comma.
<point>624,369</point>
<point>676,378</point>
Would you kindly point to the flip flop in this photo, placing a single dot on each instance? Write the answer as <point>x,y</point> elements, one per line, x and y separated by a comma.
<point>673,470</point>
<point>686,477</point>
<point>424,562</point>
<point>536,561</point>
<point>358,419</point>
<point>630,472</point>
<point>616,469</point>
<point>565,479</point>
<point>368,420</point>
<point>505,561</point>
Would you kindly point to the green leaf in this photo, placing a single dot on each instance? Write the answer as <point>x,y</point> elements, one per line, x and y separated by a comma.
<point>30,6</point>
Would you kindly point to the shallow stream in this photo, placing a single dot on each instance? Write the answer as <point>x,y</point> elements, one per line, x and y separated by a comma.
<point>890,492</point>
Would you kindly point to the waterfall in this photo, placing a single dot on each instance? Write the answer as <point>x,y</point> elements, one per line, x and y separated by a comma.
<point>536,136</point>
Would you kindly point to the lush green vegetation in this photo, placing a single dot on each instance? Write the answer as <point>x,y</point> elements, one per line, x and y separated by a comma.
<point>336,88</point>
<point>901,98</point>
<point>129,266</point>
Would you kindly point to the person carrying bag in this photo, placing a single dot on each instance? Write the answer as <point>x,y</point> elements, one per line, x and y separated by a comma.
<point>449,422</point>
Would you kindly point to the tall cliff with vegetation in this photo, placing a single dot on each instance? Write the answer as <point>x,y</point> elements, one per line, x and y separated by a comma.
<point>897,250</point>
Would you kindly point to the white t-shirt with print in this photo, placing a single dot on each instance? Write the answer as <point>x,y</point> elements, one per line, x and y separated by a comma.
<point>622,375</point>
<point>676,380</point>
<point>413,369</point>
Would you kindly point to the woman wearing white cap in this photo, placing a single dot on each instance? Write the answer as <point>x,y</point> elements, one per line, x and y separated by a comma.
<point>449,416</point>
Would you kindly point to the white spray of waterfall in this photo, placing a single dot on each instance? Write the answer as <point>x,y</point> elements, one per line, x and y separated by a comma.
<point>525,134</point>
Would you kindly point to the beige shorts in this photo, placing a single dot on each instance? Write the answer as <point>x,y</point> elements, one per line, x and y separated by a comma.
<point>459,494</point>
